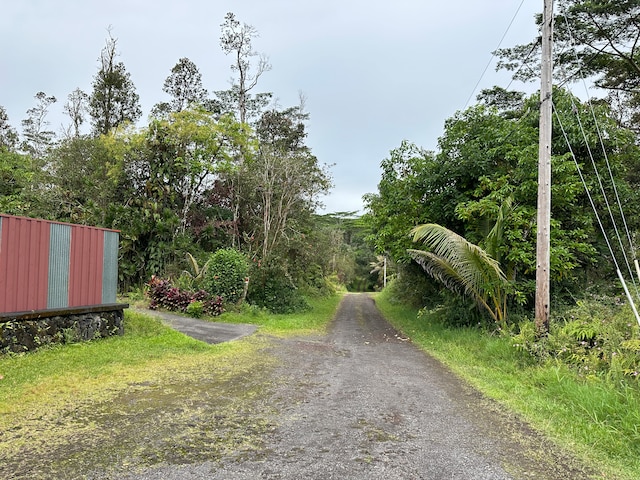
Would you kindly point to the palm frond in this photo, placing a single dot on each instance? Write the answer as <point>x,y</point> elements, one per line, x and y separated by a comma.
<point>461,266</point>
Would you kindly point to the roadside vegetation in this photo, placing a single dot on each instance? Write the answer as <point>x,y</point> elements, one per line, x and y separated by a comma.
<point>554,385</point>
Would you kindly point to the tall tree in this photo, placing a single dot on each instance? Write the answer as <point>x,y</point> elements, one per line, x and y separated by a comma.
<point>76,108</point>
<point>114,99</point>
<point>236,39</point>
<point>37,139</point>
<point>285,177</point>
<point>8,135</point>
<point>184,85</point>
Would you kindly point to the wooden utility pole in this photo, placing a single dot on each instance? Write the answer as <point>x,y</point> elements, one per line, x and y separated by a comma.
<point>544,173</point>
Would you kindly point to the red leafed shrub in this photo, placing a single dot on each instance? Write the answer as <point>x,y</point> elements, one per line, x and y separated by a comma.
<point>162,294</point>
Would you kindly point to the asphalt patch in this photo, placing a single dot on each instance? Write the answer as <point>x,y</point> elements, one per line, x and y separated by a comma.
<point>209,332</point>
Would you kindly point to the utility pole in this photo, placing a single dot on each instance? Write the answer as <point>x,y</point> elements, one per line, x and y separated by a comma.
<point>544,174</point>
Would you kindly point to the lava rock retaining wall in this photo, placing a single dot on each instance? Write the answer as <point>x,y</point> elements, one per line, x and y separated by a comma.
<point>26,331</point>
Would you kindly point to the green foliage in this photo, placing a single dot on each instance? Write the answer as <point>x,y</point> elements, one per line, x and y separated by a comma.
<point>401,202</point>
<point>195,309</point>
<point>487,157</point>
<point>226,275</point>
<point>594,338</point>
<point>462,267</point>
<point>17,174</point>
<point>193,278</point>
<point>413,287</point>
<point>272,287</point>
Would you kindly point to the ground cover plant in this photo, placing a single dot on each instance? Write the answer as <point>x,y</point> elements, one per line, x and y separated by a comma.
<point>593,411</point>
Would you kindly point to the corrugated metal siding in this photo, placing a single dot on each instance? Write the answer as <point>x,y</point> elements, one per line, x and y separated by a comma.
<point>59,261</point>
<point>85,283</point>
<point>55,265</point>
<point>110,267</point>
<point>24,260</point>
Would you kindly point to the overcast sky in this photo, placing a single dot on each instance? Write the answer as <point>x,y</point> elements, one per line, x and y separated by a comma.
<point>373,72</point>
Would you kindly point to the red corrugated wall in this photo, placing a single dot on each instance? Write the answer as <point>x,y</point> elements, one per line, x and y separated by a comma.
<point>46,265</point>
<point>24,264</point>
<point>85,270</point>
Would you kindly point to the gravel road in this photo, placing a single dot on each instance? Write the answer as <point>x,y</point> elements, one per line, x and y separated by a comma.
<point>365,403</point>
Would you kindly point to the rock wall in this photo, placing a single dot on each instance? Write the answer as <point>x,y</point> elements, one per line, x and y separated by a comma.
<point>20,335</point>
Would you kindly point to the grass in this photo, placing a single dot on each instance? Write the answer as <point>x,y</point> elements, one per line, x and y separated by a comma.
<point>596,419</point>
<point>314,321</point>
<point>59,397</point>
<point>147,347</point>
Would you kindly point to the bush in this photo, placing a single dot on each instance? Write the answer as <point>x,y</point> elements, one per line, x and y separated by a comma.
<point>272,288</point>
<point>413,287</point>
<point>225,277</point>
<point>162,294</point>
<point>592,337</point>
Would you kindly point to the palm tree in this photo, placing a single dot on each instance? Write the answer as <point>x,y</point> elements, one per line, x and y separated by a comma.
<point>464,268</point>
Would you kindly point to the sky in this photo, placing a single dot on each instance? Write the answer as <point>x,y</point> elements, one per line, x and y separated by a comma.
<point>374,73</point>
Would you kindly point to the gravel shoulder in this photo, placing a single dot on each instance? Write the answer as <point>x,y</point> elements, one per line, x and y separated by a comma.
<point>364,403</point>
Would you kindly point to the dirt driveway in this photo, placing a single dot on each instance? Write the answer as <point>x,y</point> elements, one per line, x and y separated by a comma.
<point>364,403</point>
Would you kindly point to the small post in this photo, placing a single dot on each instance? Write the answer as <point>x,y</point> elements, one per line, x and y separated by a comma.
<point>384,280</point>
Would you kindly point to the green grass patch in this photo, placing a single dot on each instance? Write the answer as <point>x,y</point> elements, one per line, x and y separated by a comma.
<point>597,419</point>
<point>61,370</point>
<point>313,321</point>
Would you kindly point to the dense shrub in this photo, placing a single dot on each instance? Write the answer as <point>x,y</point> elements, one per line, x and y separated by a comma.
<point>272,288</point>
<point>228,268</point>
<point>593,337</point>
<point>162,294</point>
<point>412,286</point>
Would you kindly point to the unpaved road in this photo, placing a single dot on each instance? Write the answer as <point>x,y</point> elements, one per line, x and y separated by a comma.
<point>364,403</point>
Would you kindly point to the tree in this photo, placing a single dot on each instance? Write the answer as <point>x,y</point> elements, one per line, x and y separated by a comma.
<point>8,135</point>
<point>36,138</point>
<point>236,39</point>
<point>167,169</point>
<point>285,177</point>
<point>488,157</point>
<point>184,85</point>
<point>400,203</point>
<point>114,99</point>
<point>600,39</point>
<point>16,181</point>
<point>83,181</point>
<point>76,107</point>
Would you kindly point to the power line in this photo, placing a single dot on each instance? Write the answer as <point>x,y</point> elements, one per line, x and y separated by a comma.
<point>493,55</point>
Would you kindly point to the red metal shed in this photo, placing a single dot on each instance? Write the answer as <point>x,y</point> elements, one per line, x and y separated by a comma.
<point>48,265</point>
